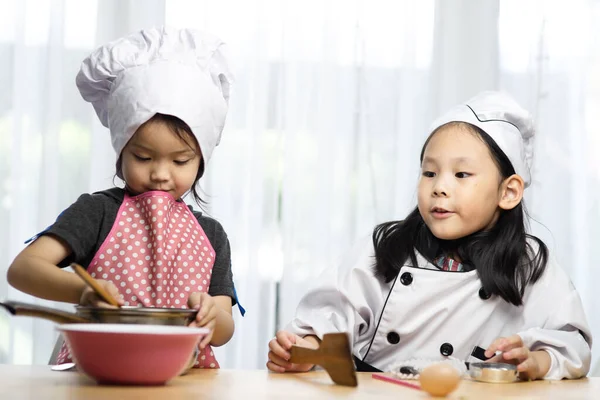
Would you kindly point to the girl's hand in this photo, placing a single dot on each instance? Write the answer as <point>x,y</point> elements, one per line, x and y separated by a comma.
<point>530,364</point>
<point>90,298</point>
<point>207,314</point>
<point>279,352</point>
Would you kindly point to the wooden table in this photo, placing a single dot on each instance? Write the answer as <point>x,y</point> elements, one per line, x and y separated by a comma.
<point>39,382</point>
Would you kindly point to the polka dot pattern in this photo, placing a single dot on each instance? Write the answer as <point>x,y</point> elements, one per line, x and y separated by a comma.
<point>156,254</point>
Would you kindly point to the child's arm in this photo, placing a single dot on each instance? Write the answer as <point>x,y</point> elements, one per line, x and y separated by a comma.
<point>35,271</point>
<point>215,314</point>
<point>557,342</point>
<point>215,307</point>
<point>224,325</point>
<point>344,299</point>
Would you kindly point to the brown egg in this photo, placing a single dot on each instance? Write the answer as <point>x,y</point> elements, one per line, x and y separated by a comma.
<point>439,379</point>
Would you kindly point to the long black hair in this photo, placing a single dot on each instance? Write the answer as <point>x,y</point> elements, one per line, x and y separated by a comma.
<point>505,260</point>
<point>183,132</point>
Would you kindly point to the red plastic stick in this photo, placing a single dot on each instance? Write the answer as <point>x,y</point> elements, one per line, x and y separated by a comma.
<point>397,381</point>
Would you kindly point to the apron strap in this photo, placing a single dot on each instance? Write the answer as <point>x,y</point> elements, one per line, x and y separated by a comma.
<point>237,300</point>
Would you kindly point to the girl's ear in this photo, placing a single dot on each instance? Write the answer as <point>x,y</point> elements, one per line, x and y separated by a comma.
<point>511,192</point>
<point>119,167</point>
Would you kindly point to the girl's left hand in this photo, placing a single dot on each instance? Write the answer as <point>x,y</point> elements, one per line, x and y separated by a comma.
<point>530,364</point>
<point>207,313</point>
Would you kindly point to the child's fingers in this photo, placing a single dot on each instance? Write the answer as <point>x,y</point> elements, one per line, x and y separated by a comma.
<point>114,292</point>
<point>525,365</point>
<point>206,339</point>
<point>99,303</point>
<point>527,369</point>
<point>90,298</point>
<point>207,312</point>
<point>274,367</point>
<point>520,353</point>
<point>206,303</point>
<point>504,344</point>
<point>509,344</point>
<point>94,300</point>
<point>286,339</point>
<point>207,318</point>
<point>496,359</point>
<point>494,347</point>
<point>194,301</point>
<point>512,342</point>
<point>286,365</point>
<point>277,349</point>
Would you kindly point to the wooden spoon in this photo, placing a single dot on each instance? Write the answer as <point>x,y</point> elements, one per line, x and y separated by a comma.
<point>333,355</point>
<point>100,291</point>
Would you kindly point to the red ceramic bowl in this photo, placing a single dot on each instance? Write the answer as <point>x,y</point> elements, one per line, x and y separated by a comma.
<point>128,354</point>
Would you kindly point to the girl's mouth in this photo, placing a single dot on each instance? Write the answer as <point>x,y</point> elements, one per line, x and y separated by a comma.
<point>441,213</point>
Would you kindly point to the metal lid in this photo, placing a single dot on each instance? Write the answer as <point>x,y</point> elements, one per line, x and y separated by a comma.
<point>493,372</point>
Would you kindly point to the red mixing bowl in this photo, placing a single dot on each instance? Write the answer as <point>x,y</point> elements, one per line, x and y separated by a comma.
<point>130,354</point>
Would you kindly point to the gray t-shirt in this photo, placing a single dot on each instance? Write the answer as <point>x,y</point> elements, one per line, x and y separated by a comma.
<point>86,223</point>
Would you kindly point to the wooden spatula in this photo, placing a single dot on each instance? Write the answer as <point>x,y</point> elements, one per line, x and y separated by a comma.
<point>104,295</point>
<point>333,355</point>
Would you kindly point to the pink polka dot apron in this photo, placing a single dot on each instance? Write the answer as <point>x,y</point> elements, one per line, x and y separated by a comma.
<point>156,254</point>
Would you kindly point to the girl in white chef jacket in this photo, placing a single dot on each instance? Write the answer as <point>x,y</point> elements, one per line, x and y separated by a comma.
<point>459,276</point>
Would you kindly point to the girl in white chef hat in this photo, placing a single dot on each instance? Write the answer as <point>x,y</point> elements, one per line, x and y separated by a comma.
<point>163,93</point>
<point>459,277</point>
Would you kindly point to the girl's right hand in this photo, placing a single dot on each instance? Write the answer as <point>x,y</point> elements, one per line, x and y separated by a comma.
<point>90,298</point>
<point>279,353</point>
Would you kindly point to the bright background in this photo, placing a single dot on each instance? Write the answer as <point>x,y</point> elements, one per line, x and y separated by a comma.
<point>331,105</point>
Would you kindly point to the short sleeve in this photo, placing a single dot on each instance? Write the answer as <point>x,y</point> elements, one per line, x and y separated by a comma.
<point>79,226</point>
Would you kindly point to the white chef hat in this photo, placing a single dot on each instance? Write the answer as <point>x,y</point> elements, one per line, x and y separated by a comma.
<point>498,115</point>
<point>179,72</point>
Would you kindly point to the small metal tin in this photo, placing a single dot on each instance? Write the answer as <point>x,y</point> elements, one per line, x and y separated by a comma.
<point>493,372</point>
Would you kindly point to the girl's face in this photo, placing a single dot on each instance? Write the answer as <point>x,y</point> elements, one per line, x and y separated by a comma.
<point>156,158</point>
<point>460,186</point>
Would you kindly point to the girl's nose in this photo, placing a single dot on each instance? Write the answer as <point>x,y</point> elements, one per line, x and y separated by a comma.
<point>159,173</point>
<point>440,187</point>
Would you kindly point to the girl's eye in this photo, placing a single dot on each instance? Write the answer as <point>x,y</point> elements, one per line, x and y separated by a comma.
<point>139,158</point>
<point>462,174</point>
<point>428,174</point>
<point>182,162</point>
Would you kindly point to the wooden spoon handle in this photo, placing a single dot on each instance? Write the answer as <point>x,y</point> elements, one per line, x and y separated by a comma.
<point>304,355</point>
<point>104,295</point>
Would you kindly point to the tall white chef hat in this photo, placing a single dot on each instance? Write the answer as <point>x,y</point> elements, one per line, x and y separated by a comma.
<point>179,72</point>
<point>498,115</point>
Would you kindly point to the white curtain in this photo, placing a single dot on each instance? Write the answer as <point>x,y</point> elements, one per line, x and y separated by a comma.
<point>331,105</point>
<point>550,60</point>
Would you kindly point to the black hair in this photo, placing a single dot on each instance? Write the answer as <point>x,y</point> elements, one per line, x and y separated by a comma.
<point>183,132</point>
<point>504,257</point>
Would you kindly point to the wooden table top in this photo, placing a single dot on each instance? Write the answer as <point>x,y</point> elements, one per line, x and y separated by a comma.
<point>39,382</point>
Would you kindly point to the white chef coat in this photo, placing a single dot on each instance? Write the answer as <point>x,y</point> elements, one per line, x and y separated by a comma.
<point>432,314</point>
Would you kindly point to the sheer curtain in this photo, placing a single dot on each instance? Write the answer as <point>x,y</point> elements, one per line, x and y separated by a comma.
<point>51,147</point>
<point>330,108</point>
<point>550,60</point>
<point>331,103</point>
